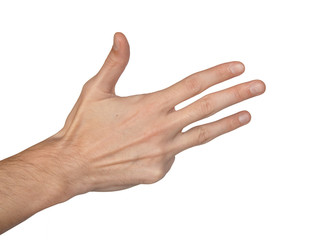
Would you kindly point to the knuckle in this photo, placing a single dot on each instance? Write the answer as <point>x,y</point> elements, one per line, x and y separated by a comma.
<point>205,106</point>
<point>202,135</point>
<point>222,70</point>
<point>193,84</point>
<point>86,86</point>
<point>237,94</point>
<point>155,175</point>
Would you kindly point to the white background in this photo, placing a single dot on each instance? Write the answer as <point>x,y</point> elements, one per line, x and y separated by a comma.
<point>268,180</point>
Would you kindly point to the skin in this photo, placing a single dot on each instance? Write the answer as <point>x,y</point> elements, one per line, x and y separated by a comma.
<point>111,143</point>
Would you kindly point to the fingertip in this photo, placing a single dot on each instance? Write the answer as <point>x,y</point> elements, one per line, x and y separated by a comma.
<point>263,84</point>
<point>237,67</point>
<point>244,117</point>
<point>120,51</point>
<point>119,34</point>
<point>257,87</point>
<point>242,64</point>
<point>120,38</point>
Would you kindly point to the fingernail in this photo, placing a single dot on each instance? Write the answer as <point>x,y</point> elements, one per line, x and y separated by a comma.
<point>244,118</point>
<point>115,43</point>
<point>237,68</point>
<point>257,88</point>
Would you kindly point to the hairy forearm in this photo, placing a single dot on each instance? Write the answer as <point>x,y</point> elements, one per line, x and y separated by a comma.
<point>30,182</point>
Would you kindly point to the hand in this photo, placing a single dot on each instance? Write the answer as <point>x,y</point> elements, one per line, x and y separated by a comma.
<point>111,143</point>
<point>114,142</point>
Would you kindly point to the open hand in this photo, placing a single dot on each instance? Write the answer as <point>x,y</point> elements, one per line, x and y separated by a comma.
<point>114,142</point>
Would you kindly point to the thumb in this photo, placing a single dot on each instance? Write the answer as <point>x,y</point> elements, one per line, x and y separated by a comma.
<point>114,65</point>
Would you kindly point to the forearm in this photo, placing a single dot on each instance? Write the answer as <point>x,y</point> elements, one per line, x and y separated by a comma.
<point>29,182</point>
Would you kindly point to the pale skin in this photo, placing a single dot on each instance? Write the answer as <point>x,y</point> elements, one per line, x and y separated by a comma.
<point>111,143</point>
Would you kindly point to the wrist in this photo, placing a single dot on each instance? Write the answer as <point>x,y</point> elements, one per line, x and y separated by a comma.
<point>66,167</point>
<point>46,171</point>
<point>34,179</point>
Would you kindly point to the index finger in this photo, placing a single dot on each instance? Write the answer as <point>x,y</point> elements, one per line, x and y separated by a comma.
<point>200,81</point>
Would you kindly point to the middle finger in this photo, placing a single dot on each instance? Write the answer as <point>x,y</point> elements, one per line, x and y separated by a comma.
<point>214,102</point>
